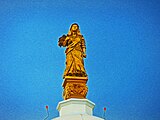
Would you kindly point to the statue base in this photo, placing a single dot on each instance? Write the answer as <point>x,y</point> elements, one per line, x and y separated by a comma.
<point>76,109</point>
<point>75,87</point>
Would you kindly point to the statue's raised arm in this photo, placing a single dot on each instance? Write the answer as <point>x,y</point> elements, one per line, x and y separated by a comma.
<point>75,52</point>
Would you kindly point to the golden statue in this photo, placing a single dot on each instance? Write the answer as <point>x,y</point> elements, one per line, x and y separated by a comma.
<point>75,77</point>
<point>75,52</point>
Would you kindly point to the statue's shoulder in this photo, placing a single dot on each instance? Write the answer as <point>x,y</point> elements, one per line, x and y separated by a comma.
<point>81,36</point>
<point>67,37</point>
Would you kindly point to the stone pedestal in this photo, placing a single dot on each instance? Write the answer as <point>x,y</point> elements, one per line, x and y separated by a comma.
<point>75,106</point>
<point>76,109</point>
<point>75,87</point>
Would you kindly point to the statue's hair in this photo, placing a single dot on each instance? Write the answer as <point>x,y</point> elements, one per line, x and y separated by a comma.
<point>70,31</point>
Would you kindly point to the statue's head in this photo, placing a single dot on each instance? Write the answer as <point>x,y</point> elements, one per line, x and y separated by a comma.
<point>74,28</point>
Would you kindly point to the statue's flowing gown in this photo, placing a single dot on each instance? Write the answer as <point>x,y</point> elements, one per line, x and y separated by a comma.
<point>74,57</point>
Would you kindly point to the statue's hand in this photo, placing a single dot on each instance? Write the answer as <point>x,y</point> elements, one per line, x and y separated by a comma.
<point>84,55</point>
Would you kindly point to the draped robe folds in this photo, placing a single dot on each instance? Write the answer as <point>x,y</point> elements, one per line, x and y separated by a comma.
<point>74,56</point>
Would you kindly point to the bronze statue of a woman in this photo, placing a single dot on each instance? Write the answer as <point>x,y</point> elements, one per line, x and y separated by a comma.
<point>75,52</point>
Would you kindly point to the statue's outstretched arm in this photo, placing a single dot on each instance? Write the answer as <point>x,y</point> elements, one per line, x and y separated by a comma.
<point>65,42</point>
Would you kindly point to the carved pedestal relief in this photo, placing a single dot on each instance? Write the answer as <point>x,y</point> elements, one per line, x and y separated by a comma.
<point>75,87</point>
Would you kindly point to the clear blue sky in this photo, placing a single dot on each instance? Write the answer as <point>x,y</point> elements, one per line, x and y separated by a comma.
<point>123,56</point>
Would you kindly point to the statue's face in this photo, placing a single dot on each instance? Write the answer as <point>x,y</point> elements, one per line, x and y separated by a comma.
<point>74,28</point>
